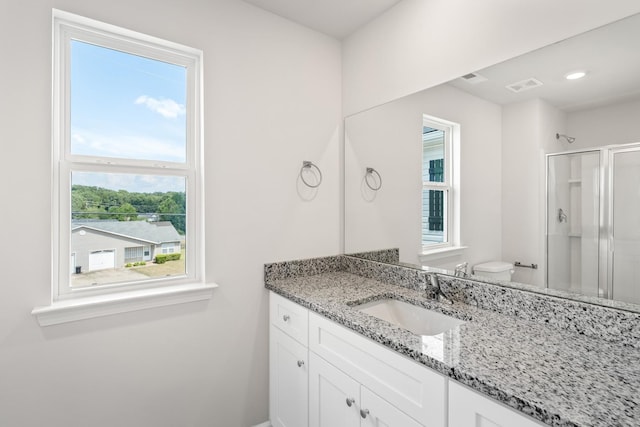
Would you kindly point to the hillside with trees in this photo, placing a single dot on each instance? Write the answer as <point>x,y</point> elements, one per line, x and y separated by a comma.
<point>100,203</point>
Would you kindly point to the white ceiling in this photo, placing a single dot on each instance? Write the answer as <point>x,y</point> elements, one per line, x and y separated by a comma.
<point>337,18</point>
<point>610,55</point>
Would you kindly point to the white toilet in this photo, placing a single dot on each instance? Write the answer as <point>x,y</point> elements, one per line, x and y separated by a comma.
<point>496,270</point>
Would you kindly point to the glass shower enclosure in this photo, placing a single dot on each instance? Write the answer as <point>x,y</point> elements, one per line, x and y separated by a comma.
<point>593,222</point>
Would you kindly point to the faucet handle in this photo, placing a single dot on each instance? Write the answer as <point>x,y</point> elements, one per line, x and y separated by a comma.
<point>433,280</point>
<point>461,269</point>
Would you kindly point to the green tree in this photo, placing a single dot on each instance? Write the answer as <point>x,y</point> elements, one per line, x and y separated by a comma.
<point>172,208</point>
<point>125,212</point>
<point>89,202</point>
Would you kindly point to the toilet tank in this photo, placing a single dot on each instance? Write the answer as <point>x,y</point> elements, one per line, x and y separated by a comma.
<point>496,270</point>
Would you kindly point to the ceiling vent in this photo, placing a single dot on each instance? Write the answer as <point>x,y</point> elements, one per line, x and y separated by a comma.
<point>523,85</point>
<point>473,78</point>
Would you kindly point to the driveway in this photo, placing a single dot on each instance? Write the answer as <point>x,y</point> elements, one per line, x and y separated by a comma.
<point>102,277</point>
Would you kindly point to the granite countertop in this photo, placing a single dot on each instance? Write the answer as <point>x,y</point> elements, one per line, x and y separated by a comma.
<point>557,376</point>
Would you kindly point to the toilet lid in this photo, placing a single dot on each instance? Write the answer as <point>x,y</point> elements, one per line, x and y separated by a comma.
<point>493,267</point>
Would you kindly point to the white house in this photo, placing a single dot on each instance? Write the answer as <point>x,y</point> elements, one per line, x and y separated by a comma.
<point>103,244</point>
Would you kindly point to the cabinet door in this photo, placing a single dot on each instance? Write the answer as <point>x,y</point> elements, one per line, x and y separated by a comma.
<point>407,385</point>
<point>334,397</point>
<point>377,412</point>
<point>288,381</point>
<point>470,409</point>
<point>289,317</point>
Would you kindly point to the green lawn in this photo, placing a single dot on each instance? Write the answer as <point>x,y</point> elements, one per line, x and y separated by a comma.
<point>169,268</point>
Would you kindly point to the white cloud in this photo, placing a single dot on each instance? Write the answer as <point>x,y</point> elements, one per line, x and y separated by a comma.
<point>127,146</point>
<point>77,138</point>
<point>167,108</point>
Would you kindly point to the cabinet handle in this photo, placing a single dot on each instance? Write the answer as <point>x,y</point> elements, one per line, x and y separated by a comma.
<point>350,401</point>
<point>300,363</point>
<point>286,317</point>
<point>364,413</point>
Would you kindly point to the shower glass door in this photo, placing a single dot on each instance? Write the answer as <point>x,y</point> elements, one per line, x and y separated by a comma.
<point>624,249</point>
<point>573,218</point>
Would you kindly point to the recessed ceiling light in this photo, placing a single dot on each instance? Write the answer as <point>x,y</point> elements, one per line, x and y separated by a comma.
<point>575,75</point>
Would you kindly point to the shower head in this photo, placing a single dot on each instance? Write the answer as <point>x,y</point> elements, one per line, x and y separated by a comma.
<point>569,139</point>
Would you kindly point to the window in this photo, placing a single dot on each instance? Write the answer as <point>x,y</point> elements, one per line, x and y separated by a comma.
<point>168,248</point>
<point>127,152</point>
<point>439,229</point>
<point>133,254</point>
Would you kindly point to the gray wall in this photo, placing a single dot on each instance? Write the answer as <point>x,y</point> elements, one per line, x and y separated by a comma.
<point>272,99</point>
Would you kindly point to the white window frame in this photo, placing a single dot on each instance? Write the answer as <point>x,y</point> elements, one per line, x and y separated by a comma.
<point>128,250</point>
<point>451,188</point>
<point>69,303</point>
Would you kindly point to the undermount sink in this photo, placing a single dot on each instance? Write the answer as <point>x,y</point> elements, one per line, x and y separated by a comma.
<point>419,320</point>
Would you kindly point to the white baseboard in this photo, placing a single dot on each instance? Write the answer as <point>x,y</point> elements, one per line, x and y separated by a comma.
<point>264,424</point>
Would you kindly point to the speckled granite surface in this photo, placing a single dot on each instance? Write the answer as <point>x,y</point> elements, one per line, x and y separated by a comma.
<point>611,323</point>
<point>303,267</point>
<point>597,321</point>
<point>619,305</point>
<point>557,375</point>
<point>389,256</point>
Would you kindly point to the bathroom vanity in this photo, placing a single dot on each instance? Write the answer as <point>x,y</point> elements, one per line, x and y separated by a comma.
<point>502,363</point>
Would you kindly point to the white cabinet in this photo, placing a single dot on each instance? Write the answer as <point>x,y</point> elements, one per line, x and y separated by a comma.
<point>377,412</point>
<point>288,381</point>
<point>288,364</point>
<point>289,317</point>
<point>325,375</point>
<point>413,389</point>
<point>336,399</point>
<point>470,409</point>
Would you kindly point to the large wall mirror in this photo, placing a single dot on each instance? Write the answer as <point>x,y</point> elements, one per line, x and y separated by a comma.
<point>520,162</point>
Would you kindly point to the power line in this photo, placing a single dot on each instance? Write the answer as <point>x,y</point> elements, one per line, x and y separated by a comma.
<point>126,213</point>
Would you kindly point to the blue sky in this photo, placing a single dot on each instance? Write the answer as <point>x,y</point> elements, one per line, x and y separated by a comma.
<point>127,106</point>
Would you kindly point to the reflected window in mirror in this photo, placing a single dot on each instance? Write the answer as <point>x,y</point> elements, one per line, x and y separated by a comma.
<point>438,206</point>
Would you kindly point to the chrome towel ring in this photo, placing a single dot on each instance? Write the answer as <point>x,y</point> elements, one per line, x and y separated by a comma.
<point>310,165</point>
<point>370,173</point>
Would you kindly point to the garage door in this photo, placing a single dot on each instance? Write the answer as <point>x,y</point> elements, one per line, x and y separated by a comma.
<point>101,260</point>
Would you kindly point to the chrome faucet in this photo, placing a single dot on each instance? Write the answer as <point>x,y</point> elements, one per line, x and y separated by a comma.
<point>440,295</point>
<point>461,270</point>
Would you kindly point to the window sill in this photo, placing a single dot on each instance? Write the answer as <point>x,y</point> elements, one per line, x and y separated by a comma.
<point>441,253</point>
<point>104,305</point>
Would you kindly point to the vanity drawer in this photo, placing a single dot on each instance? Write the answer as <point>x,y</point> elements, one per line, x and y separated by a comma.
<point>289,317</point>
<point>409,386</point>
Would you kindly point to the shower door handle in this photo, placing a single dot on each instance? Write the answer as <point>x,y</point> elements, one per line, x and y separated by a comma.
<point>562,217</point>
